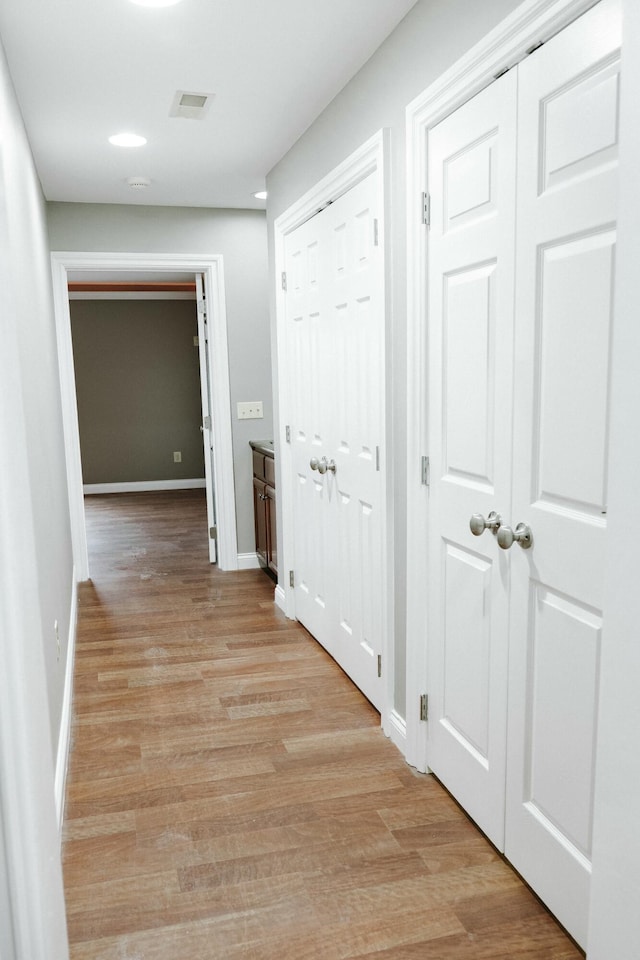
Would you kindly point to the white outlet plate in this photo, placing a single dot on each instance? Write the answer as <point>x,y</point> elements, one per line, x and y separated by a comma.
<point>177,456</point>
<point>250,410</point>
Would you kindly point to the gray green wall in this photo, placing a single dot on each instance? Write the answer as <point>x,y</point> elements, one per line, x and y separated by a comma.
<point>240,236</point>
<point>433,35</point>
<point>138,389</point>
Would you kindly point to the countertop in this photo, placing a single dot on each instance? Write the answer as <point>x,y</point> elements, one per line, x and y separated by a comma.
<point>262,446</point>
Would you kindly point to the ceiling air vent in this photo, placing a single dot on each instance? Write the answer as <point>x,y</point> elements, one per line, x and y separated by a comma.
<point>139,183</point>
<point>191,106</point>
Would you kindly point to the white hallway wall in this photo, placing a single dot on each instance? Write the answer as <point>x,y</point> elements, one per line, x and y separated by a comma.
<point>433,35</point>
<point>240,236</point>
<point>36,571</point>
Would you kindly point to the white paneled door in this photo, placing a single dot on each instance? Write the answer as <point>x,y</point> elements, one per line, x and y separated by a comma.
<point>472,180</point>
<point>566,215</point>
<point>207,414</point>
<point>521,269</point>
<point>335,359</point>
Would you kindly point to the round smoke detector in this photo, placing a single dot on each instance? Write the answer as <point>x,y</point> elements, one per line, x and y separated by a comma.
<point>138,183</point>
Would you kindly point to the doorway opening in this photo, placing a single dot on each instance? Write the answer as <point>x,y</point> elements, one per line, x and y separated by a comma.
<point>214,373</point>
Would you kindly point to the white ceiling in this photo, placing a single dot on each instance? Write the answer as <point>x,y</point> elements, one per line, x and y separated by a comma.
<point>85,69</point>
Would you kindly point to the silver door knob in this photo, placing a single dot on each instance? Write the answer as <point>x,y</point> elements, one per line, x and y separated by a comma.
<point>314,463</point>
<point>522,535</point>
<point>478,524</point>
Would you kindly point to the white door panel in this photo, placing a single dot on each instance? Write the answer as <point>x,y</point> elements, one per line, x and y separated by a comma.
<point>308,367</point>
<point>471,177</point>
<point>567,137</point>
<point>207,413</point>
<point>335,321</point>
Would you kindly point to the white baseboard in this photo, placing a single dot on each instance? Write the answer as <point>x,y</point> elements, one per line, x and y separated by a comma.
<point>279,598</point>
<point>248,561</point>
<point>64,737</point>
<point>142,486</point>
<point>395,728</point>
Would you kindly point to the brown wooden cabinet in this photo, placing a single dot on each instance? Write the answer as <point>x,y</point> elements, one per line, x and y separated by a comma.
<point>264,506</point>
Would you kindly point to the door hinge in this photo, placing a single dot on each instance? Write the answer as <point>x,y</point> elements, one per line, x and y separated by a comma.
<point>376,237</point>
<point>379,664</point>
<point>424,706</point>
<point>287,433</point>
<point>425,208</point>
<point>292,579</point>
<point>202,306</point>
<point>284,280</point>
<point>377,459</point>
<point>207,422</point>
<point>213,533</point>
<point>425,471</point>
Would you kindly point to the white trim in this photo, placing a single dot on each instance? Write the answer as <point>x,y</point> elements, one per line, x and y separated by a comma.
<point>212,269</point>
<point>369,158</point>
<point>248,561</point>
<point>7,943</point>
<point>70,417</point>
<point>396,730</point>
<point>142,486</point>
<point>64,738</point>
<point>279,598</point>
<point>132,295</point>
<point>530,23</point>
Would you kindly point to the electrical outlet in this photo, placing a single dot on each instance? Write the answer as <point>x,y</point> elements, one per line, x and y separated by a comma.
<point>177,456</point>
<point>57,636</point>
<point>196,341</point>
<point>250,410</point>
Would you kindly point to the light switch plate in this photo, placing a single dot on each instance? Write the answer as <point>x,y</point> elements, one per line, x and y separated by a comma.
<point>250,410</point>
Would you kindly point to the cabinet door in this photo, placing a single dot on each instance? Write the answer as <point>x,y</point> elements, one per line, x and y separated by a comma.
<point>260,518</point>
<point>270,504</point>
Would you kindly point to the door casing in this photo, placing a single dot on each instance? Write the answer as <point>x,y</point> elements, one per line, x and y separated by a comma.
<point>212,270</point>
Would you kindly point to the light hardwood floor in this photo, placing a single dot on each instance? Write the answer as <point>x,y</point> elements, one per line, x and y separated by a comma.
<point>231,794</point>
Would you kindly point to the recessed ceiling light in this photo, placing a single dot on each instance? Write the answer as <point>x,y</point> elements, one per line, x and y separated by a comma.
<point>127,140</point>
<point>155,3</point>
<point>261,195</point>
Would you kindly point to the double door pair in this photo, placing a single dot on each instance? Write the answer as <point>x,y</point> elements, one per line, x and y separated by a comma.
<point>521,269</point>
<point>335,335</point>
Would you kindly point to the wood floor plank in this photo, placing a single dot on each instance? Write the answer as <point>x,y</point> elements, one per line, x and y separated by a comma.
<point>231,794</point>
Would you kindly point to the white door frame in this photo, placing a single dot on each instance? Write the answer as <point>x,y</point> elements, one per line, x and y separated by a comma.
<point>369,158</point>
<point>211,268</point>
<point>534,21</point>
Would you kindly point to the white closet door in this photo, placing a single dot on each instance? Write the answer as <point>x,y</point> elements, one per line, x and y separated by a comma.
<point>566,212</point>
<point>207,412</point>
<point>471,265</point>
<point>308,368</point>
<point>335,319</point>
